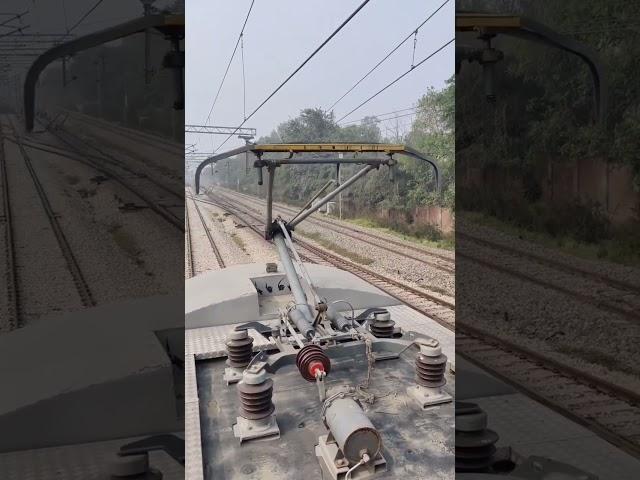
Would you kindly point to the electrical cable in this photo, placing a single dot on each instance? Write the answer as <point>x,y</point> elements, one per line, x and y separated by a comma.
<point>17,16</point>
<point>244,82</point>
<point>229,64</point>
<point>414,31</point>
<point>378,120</point>
<point>66,19</point>
<point>88,12</point>
<point>14,31</point>
<point>328,39</point>
<point>397,79</point>
<point>381,114</point>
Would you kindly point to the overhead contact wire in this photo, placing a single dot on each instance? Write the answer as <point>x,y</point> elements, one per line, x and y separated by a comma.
<point>244,81</point>
<point>397,79</point>
<point>384,114</point>
<point>413,32</point>
<point>87,13</point>
<point>224,77</point>
<point>328,39</point>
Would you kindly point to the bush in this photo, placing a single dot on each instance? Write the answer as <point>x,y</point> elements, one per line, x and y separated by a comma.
<point>584,222</point>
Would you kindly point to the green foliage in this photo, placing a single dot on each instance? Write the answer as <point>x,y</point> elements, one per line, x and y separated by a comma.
<point>545,100</point>
<point>545,114</point>
<point>584,222</point>
<point>433,132</point>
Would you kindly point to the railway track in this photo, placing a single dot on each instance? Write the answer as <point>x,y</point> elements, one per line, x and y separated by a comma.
<point>609,295</point>
<point>188,251</point>
<point>130,179</point>
<point>81,285</point>
<point>212,243</point>
<point>339,227</point>
<point>444,263</point>
<point>553,263</point>
<point>150,174</point>
<point>138,136</point>
<point>11,273</point>
<point>609,410</point>
<point>433,306</point>
<point>157,158</point>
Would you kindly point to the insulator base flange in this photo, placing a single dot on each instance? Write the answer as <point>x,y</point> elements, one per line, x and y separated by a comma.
<point>252,429</point>
<point>427,397</point>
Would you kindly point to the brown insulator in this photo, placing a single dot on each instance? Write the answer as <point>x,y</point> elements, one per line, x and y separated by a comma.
<point>310,359</point>
<point>382,326</point>
<point>430,367</point>
<point>239,348</point>
<point>255,400</point>
<point>475,443</point>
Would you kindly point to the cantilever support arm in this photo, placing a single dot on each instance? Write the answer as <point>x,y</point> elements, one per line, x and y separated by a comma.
<point>164,22</point>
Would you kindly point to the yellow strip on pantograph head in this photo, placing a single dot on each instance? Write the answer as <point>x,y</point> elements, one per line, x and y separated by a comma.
<point>327,147</point>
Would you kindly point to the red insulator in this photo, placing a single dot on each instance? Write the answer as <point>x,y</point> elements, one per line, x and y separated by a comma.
<point>316,367</point>
<point>310,359</point>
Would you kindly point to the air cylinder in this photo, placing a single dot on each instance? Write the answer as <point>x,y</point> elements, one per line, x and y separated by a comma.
<point>338,320</point>
<point>353,431</point>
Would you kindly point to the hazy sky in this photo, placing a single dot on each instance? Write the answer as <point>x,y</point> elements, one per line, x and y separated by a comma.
<point>280,34</point>
<point>55,16</point>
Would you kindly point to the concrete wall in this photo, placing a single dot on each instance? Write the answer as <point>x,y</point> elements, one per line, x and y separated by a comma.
<point>610,185</point>
<point>441,218</point>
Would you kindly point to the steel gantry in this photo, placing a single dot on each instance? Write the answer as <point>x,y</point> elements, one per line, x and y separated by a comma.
<point>209,129</point>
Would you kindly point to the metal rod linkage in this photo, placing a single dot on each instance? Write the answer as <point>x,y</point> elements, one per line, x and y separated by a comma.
<point>303,271</point>
<point>294,334</point>
<point>301,314</point>
<point>308,204</point>
<point>302,215</point>
<point>294,281</point>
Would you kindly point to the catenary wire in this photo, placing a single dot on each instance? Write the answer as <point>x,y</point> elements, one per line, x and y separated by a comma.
<point>387,56</point>
<point>397,79</point>
<point>327,40</point>
<point>235,48</point>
